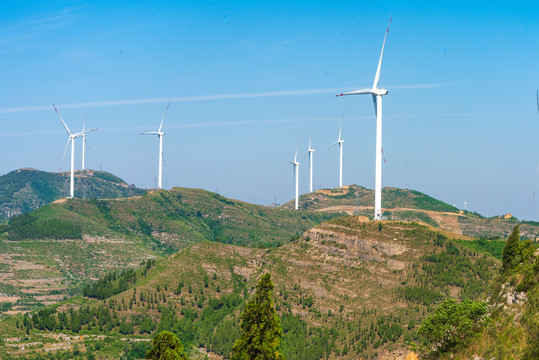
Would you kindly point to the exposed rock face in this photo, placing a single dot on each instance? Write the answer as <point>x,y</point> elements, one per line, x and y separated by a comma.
<point>511,297</point>
<point>354,246</point>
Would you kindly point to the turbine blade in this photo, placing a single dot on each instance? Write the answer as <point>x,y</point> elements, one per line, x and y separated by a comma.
<point>296,156</point>
<point>84,121</point>
<point>86,142</point>
<point>65,151</point>
<point>333,145</point>
<point>375,103</point>
<point>165,114</point>
<point>84,132</point>
<point>357,92</point>
<point>63,122</point>
<point>377,77</point>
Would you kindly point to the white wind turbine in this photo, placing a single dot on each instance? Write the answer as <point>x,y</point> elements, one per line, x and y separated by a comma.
<point>160,134</point>
<point>377,100</point>
<point>311,154</point>
<point>340,142</point>
<point>84,143</point>
<point>296,177</point>
<point>71,140</point>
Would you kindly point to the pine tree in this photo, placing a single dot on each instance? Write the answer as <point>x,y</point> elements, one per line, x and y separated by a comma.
<point>166,345</point>
<point>510,251</point>
<point>261,327</point>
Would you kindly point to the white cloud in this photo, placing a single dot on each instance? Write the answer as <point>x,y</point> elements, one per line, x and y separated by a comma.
<point>329,91</point>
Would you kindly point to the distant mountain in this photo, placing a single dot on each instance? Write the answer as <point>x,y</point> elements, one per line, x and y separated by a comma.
<point>24,190</point>
<point>347,289</point>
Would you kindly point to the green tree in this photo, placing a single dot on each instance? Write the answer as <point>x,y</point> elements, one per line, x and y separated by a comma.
<point>166,346</point>
<point>452,324</point>
<point>260,326</point>
<point>511,250</point>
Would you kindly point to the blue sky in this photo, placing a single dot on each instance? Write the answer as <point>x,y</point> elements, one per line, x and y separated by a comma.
<point>249,79</point>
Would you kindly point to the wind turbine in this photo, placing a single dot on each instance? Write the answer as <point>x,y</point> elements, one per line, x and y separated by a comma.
<point>71,140</point>
<point>160,134</point>
<point>340,142</point>
<point>311,154</point>
<point>84,143</point>
<point>296,177</point>
<point>377,100</point>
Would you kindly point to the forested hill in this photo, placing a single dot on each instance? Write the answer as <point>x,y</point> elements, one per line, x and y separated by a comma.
<point>24,190</point>
<point>173,219</point>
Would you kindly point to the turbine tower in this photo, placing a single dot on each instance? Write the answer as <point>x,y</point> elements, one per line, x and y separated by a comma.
<point>340,142</point>
<point>71,140</point>
<point>296,177</point>
<point>377,100</point>
<point>311,154</point>
<point>160,134</point>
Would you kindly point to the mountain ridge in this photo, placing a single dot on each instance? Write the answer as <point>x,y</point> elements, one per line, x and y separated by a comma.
<point>27,189</point>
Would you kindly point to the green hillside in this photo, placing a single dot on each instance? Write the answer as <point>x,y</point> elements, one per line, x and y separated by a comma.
<point>346,289</point>
<point>510,327</point>
<point>24,190</point>
<point>47,254</point>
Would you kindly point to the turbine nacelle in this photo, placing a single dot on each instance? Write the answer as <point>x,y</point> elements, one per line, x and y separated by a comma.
<point>82,133</point>
<point>153,133</point>
<point>366,91</point>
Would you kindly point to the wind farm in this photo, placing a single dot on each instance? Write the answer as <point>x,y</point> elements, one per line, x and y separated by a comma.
<point>356,255</point>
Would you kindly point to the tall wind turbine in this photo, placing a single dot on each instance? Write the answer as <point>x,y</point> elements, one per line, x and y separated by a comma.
<point>71,140</point>
<point>84,143</point>
<point>296,177</point>
<point>160,133</point>
<point>377,100</point>
<point>340,142</point>
<point>311,154</point>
